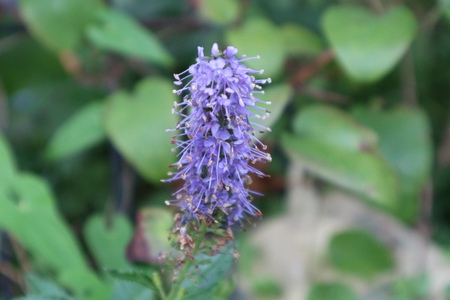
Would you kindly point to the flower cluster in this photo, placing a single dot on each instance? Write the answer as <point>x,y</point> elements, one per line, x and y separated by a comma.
<point>217,144</point>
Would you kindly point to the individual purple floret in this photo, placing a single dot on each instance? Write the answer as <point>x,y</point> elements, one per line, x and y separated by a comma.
<point>217,146</point>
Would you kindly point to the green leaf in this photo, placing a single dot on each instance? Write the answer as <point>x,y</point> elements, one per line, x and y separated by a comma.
<point>331,291</point>
<point>26,63</point>
<point>332,126</point>
<point>83,130</point>
<point>140,277</point>
<point>156,223</point>
<point>267,287</point>
<point>219,11</point>
<point>40,286</point>
<point>40,298</point>
<point>132,291</point>
<point>120,33</point>
<point>365,44</point>
<point>27,209</point>
<point>445,4</point>
<point>208,278</point>
<point>59,24</point>
<point>358,253</point>
<point>416,287</point>
<point>259,36</point>
<point>136,124</point>
<point>404,137</point>
<point>279,96</point>
<point>8,168</point>
<point>108,242</point>
<point>299,40</point>
<point>333,146</point>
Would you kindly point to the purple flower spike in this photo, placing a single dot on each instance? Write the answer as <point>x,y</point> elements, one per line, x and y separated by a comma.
<point>217,146</point>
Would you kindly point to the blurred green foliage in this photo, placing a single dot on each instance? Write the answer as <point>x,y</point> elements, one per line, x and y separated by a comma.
<point>360,96</point>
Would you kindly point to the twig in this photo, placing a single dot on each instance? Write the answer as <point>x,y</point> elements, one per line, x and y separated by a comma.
<point>408,78</point>
<point>20,254</point>
<point>424,223</point>
<point>326,96</point>
<point>14,275</point>
<point>3,109</point>
<point>244,6</point>
<point>377,6</point>
<point>430,19</point>
<point>443,153</point>
<point>309,70</point>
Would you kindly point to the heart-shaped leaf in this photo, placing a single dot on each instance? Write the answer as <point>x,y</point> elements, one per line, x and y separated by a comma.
<point>259,36</point>
<point>108,241</point>
<point>59,24</point>
<point>368,45</point>
<point>8,168</point>
<point>27,209</point>
<point>136,124</point>
<point>404,138</point>
<point>445,4</point>
<point>299,40</point>
<point>221,12</point>
<point>333,146</point>
<point>83,130</point>
<point>358,253</point>
<point>331,291</point>
<point>279,96</point>
<point>120,33</point>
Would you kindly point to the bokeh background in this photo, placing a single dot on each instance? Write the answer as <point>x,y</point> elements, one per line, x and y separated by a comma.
<point>357,206</point>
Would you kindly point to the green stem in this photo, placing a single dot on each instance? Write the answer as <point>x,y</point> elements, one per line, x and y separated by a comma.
<point>177,291</point>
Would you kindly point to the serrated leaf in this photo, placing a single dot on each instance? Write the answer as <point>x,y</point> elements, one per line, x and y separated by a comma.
<point>59,24</point>
<point>208,276</point>
<point>83,130</point>
<point>140,277</point>
<point>331,291</point>
<point>358,253</point>
<point>136,124</point>
<point>120,33</point>
<point>367,45</point>
<point>131,291</point>
<point>299,40</point>
<point>219,11</point>
<point>108,242</point>
<point>259,36</point>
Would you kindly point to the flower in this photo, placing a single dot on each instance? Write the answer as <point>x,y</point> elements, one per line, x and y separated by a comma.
<point>217,146</point>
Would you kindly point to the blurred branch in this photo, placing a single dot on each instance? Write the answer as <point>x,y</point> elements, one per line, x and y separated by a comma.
<point>308,71</point>
<point>377,6</point>
<point>408,80</point>
<point>443,153</point>
<point>176,24</point>
<point>14,275</point>
<point>424,223</point>
<point>430,19</point>
<point>3,109</point>
<point>244,6</point>
<point>20,254</point>
<point>326,96</point>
